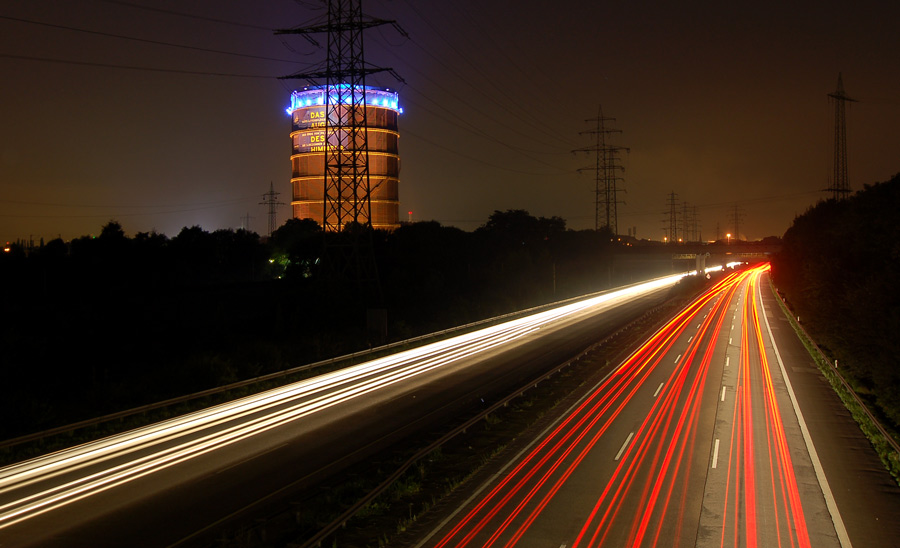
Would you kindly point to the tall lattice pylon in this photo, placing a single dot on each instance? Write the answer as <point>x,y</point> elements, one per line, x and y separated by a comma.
<point>737,214</point>
<point>840,183</point>
<point>270,200</point>
<point>347,189</point>
<point>347,186</point>
<point>606,170</point>
<point>611,186</point>
<point>672,214</point>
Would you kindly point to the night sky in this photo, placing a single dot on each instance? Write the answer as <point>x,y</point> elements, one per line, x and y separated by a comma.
<point>723,103</point>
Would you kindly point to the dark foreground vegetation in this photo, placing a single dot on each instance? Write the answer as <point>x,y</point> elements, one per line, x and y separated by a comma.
<point>839,270</point>
<point>106,323</point>
<point>439,482</point>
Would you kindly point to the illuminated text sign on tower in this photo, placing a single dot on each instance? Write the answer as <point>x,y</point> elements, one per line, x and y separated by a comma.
<point>310,144</point>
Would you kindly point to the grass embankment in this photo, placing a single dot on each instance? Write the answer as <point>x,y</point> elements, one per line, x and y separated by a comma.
<point>883,447</point>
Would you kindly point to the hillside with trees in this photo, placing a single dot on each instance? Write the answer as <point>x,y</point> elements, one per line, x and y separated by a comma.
<point>106,323</point>
<point>839,270</point>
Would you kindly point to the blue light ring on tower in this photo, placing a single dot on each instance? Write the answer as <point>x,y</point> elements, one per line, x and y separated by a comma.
<point>315,96</point>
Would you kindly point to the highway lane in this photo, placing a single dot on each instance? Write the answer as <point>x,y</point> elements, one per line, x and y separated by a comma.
<point>691,441</point>
<point>162,483</point>
<point>866,495</point>
<point>764,491</point>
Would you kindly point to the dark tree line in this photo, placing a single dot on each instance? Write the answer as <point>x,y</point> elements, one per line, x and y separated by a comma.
<point>839,268</point>
<point>110,322</point>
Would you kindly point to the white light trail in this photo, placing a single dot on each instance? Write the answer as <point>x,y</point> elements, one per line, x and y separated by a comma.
<point>49,482</point>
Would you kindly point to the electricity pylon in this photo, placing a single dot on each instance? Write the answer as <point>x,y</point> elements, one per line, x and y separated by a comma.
<point>270,200</point>
<point>606,171</point>
<point>347,189</point>
<point>840,183</point>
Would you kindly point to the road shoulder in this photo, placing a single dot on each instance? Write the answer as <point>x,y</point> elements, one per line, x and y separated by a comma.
<point>866,495</point>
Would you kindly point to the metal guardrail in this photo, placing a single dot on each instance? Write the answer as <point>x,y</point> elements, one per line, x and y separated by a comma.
<point>271,376</point>
<point>888,437</point>
<point>338,523</point>
<point>317,539</point>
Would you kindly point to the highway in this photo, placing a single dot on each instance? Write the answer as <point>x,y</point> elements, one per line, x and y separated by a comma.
<point>694,440</point>
<point>176,481</point>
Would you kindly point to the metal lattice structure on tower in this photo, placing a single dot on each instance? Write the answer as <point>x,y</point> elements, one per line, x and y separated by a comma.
<point>840,183</point>
<point>606,171</point>
<point>341,132</point>
<point>347,194</point>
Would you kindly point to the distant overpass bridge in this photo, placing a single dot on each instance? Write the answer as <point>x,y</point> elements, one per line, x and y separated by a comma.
<point>742,249</point>
<point>659,258</point>
<point>720,254</point>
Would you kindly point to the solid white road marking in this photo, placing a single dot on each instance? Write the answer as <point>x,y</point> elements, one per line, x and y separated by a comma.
<point>817,465</point>
<point>624,445</point>
<point>716,454</point>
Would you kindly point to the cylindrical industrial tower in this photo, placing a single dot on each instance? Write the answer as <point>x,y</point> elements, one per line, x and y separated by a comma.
<point>308,160</point>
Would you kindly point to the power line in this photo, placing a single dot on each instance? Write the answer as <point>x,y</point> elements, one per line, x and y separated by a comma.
<point>760,199</point>
<point>460,122</point>
<point>529,154</point>
<point>474,159</point>
<point>69,204</point>
<point>132,67</point>
<point>143,40</point>
<point>187,15</point>
<point>489,79</point>
<point>456,119</point>
<point>111,215</point>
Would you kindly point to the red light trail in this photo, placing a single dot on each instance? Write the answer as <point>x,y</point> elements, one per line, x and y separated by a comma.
<point>582,486</point>
<point>786,512</point>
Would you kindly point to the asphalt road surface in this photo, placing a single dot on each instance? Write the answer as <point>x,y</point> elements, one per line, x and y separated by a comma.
<point>718,431</point>
<point>176,482</point>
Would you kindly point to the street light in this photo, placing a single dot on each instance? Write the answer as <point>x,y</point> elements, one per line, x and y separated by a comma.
<point>728,239</point>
